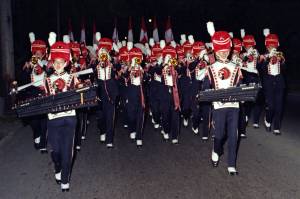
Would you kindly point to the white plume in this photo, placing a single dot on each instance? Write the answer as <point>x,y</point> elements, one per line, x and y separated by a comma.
<point>98,36</point>
<point>266,31</point>
<point>66,39</point>
<point>191,39</point>
<point>31,37</point>
<point>243,33</point>
<point>52,38</point>
<point>210,28</point>
<point>162,44</point>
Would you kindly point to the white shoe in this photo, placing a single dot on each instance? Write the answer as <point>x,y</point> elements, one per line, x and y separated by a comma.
<point>255,125</point>
<point>162,132</point>
<point>196,130</point>
<point>276,132</point>
<point>150,113</point>
<point>125,125</point>
<point>175,141</point>
<point>246,118</point>
<point>166,136</point>
<point>243,135</point>
<point>102,138</point>
<point>156,126</point>
<point>132,135</point>
<point>204,138</point>
<point>185,122</point>
<point>65,186</point>
<point>77,147</point>
<point>139,143</point>
<point>109,145</point>
<point>83,137</point>
<point>214,157</point>
<point>153,122</point>
<point>268,125</point>
<point>58,176</point>
<point>232,171</point>
<point>37,140</point>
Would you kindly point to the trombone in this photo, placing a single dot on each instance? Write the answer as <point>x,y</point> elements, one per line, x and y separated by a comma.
<point>34,60</point>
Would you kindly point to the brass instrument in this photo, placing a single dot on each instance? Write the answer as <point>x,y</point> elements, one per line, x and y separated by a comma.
<point>138,60</point>
<point>279,54</point>
<point>173,62</point>
<point>34,60</point>
<point>74,59</point>
<point>103,57</point>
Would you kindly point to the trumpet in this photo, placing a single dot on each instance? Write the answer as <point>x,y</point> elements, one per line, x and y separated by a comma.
<point>103,57</point>
<point>34,60</point>
<point>279,54</point>
<point>173,62</point>
<point>74,59</point>
<point>138,60</point>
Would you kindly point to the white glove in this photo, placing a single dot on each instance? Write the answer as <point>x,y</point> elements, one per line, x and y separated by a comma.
<point>167,58</point>
<point>159,60</point>
<point>133,62</point>
<point>272,52</point>
<point>202,53</point>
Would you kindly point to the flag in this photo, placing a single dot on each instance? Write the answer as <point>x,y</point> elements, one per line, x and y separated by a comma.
<point>70,32</point>
<point>82,35</point>
<point>143,34</point>
<point>115,36</point>
<point>94,33</point>
<point>130,34</point>
<point>168,34</point>
<point>155,31</point>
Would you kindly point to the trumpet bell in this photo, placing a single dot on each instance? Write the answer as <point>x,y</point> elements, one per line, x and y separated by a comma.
<point>103,57</point>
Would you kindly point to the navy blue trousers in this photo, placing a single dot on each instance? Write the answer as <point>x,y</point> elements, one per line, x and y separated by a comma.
<point>61,132</point>
<point>225,120</point>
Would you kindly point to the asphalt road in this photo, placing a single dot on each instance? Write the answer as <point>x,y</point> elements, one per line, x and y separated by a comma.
<point>268,166</point>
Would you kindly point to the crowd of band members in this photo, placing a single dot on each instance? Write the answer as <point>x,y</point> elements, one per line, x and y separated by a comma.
<point>158,79</point>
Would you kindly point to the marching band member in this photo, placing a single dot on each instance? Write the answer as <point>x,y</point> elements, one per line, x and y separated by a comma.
<point>184,79</point>
<point>135,101</point>
<point>156,82</point>
<point>108,91</point>
<point>223,74</point>
<point>61,125</point>
<point>169,96</point>
<point>273,64</point>
<point>123,61</point>
<point>198,68</point>
<point>78,63</point>
<point>236,59</point>
<point>36,70</point>
<point>251,75</point>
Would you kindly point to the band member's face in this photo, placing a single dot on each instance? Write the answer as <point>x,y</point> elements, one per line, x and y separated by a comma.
<point>59,64</point>
<point>39,54</point>
<point>249,48</point>
<point>222,55</point>
<point>271,47</point>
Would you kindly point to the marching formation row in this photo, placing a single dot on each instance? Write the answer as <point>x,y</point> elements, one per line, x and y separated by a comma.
<point>163,79</point>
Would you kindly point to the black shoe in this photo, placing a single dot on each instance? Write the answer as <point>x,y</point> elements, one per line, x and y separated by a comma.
<point>65,190</point>
<point>43,151</point>
<point>215,163</point>
<point>232,171</point>
<point>36,146</point>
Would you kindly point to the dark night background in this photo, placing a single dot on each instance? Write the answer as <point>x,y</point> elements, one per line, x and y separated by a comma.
<point>188,16</point>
